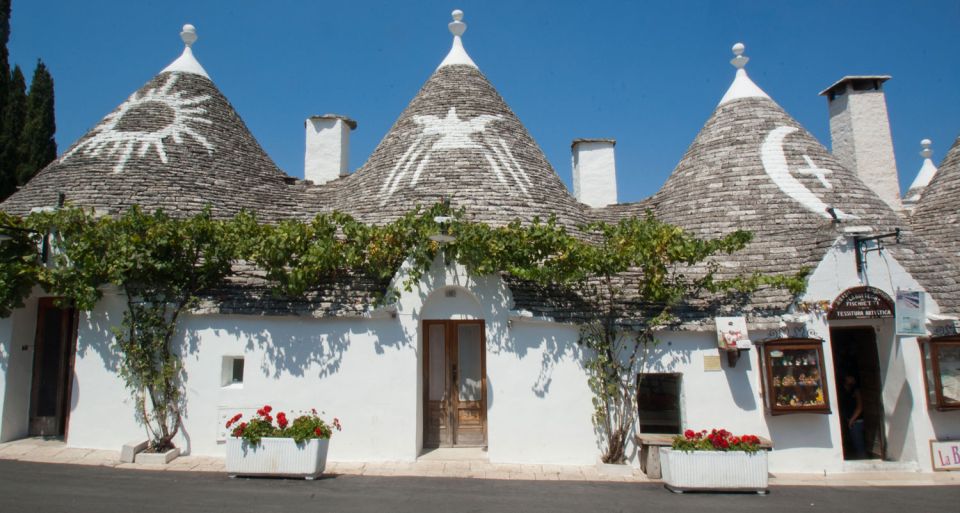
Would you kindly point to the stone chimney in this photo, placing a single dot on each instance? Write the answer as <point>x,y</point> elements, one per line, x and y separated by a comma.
<point>594,171</point>
<point>860,133</point>
<point>328,147</point>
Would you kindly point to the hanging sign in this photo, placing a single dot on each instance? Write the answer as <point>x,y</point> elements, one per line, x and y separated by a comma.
<point>861,303</point>
<point>911,314</point>
<point>732,333</point>
<point>945,454</point>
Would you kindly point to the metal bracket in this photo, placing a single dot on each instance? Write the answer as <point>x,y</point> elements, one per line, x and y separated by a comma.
<point>861,250</point>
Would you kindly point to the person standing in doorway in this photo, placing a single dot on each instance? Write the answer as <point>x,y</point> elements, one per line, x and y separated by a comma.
<point>851,409</point>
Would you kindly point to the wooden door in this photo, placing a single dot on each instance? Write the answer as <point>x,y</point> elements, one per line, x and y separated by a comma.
<point>52,365</point>
<point>454,378</point>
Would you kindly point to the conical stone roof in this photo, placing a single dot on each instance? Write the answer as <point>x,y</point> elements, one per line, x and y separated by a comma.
<point>937,214</point>
<point>457,139</point>
<point>176,144</point>
<point>936,219</point>
<point>753,167</point>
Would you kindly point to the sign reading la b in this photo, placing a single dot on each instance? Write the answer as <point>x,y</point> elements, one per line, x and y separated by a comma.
<point>946,454</point>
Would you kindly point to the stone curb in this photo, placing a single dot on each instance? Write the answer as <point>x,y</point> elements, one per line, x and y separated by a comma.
<point>53,451</point>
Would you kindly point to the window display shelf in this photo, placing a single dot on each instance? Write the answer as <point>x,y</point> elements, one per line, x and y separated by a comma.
<point>941,371</point>
<point>793,377</point>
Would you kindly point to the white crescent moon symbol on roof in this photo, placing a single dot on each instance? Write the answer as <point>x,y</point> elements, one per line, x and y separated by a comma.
<point>775,164</point>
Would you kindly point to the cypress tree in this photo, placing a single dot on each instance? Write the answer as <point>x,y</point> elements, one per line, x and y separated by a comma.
<point>4,71</point>
<point>13,120</point>
<point>37,145</point>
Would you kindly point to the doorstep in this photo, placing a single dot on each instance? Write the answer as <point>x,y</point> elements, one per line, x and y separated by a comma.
<point>454,454</point>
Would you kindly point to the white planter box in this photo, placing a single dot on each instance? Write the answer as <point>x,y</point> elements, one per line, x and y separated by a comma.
<point>157,458</point>
<point>714,470</point>
<point>277,457</point>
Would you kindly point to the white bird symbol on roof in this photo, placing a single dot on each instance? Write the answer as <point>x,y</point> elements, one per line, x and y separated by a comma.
<point>452,133</point>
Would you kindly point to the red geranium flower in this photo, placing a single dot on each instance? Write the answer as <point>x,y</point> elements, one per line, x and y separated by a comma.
<point>282,420</point>
<point>238,431</point>
<point>234,419</point>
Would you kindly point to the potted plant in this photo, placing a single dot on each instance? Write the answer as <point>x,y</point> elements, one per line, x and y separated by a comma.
<point>287,449</point>
<point>718,460</point>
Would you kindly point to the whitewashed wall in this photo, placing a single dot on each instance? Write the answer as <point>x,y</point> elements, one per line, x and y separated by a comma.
<point>360,371</point>
<point>17,334</point>
<point>368,372</point>
<point>365,371</point>
<point>730,398</point>
<point>710,399</point>
<point>908,423</point>
<point>102,413</point>
<point>538,401</point>
<point>540,404</point>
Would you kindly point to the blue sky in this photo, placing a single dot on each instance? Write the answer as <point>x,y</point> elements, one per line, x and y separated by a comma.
<point>645,73</point>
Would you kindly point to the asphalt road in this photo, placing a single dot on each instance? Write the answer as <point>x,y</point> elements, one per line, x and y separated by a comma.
<point>40,487</point>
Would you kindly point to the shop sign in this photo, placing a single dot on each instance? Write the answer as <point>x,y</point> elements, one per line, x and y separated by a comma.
<point>946,454</point>
<point>732,333</point>
<point>861,303</point>
<point>911,315</point>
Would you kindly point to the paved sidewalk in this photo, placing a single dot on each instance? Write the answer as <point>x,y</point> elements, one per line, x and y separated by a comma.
<point>55,451</point>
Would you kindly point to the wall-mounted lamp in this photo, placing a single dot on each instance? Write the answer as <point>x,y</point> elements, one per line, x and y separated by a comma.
<point>443,237</point>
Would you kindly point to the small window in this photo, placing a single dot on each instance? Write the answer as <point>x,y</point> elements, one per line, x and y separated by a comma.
<point>231,374</point>
<point>941,371</point>
<point>658,403</point>
<point>866,85</point>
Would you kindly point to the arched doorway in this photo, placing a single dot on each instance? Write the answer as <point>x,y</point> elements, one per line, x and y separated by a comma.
<point>454,377</point>
<point>857,371</point>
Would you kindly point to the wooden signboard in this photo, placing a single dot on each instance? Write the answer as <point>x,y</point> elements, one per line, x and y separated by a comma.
<point>945,454</point>
<point>861,303</point>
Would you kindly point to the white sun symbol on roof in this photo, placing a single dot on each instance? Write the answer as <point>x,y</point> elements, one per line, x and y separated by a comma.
<point>121,135</point>
<point>450,133</point>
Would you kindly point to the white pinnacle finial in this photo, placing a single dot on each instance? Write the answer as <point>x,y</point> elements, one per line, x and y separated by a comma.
<point>927,171</point>
<point>187,63</point>
<point>742,86</point>
<point>457,26</point>
<point>739,60</point>
<point>188,35</point>
<point>457,54</point>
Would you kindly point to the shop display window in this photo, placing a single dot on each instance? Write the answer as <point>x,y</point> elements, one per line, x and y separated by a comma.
<point>793,377</point>
<point>941,371</point>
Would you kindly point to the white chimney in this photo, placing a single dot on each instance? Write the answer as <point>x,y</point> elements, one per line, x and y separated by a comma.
<point>594,171</point>
<point>328,147</point>
<point>860,133</point>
